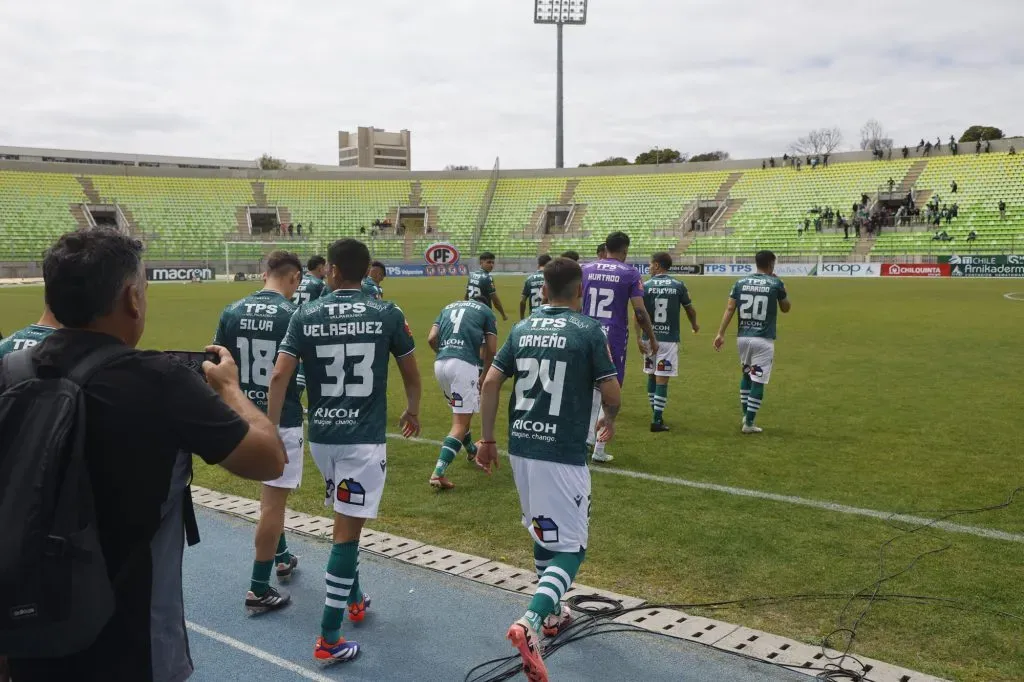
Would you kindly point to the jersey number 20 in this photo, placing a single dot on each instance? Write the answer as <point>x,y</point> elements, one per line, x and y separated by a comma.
<point>753,307</point>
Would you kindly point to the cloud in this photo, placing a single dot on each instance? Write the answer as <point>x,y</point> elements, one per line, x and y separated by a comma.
<point>474,80</point>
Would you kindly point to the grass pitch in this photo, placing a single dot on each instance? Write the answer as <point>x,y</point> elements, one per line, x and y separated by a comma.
<point>892,395</point>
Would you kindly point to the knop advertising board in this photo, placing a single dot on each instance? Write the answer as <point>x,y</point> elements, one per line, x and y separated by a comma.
<point>849,269</point>
<point>915,269</point>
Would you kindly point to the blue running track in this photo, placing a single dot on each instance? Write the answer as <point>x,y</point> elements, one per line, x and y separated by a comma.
<point>423,625</point>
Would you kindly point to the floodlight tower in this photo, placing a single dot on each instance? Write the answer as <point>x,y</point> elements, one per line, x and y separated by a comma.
<point>559,13</point>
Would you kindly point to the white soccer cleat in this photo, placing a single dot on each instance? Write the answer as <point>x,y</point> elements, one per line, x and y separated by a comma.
<point>750,428</point>
<point>602,457</point>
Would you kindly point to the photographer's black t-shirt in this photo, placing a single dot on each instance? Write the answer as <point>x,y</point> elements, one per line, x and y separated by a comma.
<point>145,412</point>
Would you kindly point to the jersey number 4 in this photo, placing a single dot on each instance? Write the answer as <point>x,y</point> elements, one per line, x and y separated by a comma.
<point>361,354</point>
<point>753,307</point>
<point>551,382</point>
<point>600,300</point>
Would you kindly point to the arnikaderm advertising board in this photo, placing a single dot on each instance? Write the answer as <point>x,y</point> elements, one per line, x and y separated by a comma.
<point>985,266</point>
<point>181,273</point>
<point>915,269</point>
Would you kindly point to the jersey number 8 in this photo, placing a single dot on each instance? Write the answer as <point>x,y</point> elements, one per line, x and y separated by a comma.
<point>753,307</point>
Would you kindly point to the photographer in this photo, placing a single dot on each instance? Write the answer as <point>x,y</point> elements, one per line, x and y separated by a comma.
<point>145,412</point>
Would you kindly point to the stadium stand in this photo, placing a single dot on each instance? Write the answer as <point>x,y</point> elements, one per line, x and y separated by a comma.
<point>189,218</point>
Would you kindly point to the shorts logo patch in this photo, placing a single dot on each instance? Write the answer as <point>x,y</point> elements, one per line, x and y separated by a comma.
<point>664,365</point>
<point>648,362</point>
<point>456,400</point>
<point>545,529</point>
<point>578,499</point>
<point>383,464</point>
<point>753,370</point>
<point>351,491</point>
<point>330,489</point>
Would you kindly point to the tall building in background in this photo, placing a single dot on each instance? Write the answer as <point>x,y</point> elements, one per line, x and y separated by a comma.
<point>375,148</point>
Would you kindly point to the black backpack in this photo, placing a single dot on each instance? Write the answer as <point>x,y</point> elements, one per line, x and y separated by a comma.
<point>55,594</point>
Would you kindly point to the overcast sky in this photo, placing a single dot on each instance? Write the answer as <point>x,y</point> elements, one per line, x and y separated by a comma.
<point>474,79</point>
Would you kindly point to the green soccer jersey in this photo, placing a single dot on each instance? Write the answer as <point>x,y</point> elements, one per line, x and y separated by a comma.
<point>25,338</point>
<point>310,288</point>
<point>343,341</point>
<point>556,356</point>
<point>532,289</point>
<point>480,285</point>
<point>252,329</point>
<point>462,327</point>
<point>372,289</point>
<point>663,297</point>
<point>757,304</point>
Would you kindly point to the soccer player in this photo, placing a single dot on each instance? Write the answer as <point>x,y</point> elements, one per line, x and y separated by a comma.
<point>463,332</point>
<point>30,335</point>
<point>481,285</point>
<point>572,255</point>
<point>371,283</point>
<point>532,287</point>
<point>556,355</point>
<point>602,251</point>
<point>759,298</point>
<point>609,288</point>
<point>344,340</point>
<point>663,297</point>
<point>252,329</point>
<point>312,285</point>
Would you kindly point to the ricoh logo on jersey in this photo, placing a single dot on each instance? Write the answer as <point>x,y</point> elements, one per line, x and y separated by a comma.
<point>335,413</point>
<point>256,396</point>
<point>178,274</point>
<point>531,426</point>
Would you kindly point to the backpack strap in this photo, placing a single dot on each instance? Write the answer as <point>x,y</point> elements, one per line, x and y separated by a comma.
<point>87,366</point>
<point>18,367</point>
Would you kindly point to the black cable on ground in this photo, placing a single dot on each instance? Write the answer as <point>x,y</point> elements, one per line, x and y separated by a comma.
<point>599,612</point>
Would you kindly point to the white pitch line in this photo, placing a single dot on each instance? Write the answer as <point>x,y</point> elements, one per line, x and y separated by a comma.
<point>262,655</point>
<point>1014,296</point>
<point>790,499</point>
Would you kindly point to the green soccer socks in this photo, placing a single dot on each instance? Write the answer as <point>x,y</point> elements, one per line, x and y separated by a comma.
<point>282,556</point>
<point>342,573</point>
<point>260,581</point>
<point>659,402</point>
<point>555,581</point>
<point>754,401</point>
<point>745,383</point>
<point>467,442</point>
<point>652,384</point>
<point>449,448</point>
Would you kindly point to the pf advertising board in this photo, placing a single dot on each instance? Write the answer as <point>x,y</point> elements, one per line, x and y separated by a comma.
<point>179,274</point>
<point>849,269</point>
<point>915,269</point>
<point>985,266</point>
<point>441,253</point>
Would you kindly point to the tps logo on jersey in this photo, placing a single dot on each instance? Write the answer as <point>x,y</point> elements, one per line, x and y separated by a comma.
<point>664,365</point>
<point>351,491</point>
<point>753,370</point>
<point>441,253</point>
<point>545,529</point>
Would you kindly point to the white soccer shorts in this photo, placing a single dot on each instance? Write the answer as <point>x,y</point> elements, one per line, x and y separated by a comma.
<point>756,355</point>
<point>292,476</point>
<point>354,476</point>
<point>460,382</point>
<point>555,501</point>
<point>666,363</point>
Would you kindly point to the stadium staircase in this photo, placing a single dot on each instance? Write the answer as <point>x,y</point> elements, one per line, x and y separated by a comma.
<point>259,194</point>
<point>90,189</point>
<point>81,220</point>
<point>723,191</point>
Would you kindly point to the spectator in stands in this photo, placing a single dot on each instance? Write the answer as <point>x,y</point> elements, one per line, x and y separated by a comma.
<point>602,251</point>
<point>977,147</point>
<point>1013,150</point>
<point>146,414</point>
<point>817,223</point>
<point>892,183</point>
<point>572,255</point>
<point>972,235</point>
<point>938,143</point>
<point>797,163</point>
<point>988,146</point>
<point>291,229</point>
<point>905,151</point>
<point>362,229</point>
<point>807,224</point>
<point>298,229</point>
<point>764,164</point>
<point>846,228</point>
<point>309,229</point>
<point>1002,209</point>
<point>927,148</point>
<point>889,154</point>
<point>824,160</point>
<point>919,145</point>
<point>945,213</point>
<point>953,187</point>
<point>955,209</point>
<point>771,162</point>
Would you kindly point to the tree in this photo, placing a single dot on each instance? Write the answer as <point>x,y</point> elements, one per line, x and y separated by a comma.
<point>658,155</point>
<point>975,133</point>
<point>613,161</point>
<point>711,156</point>
<point>820,141</point>
<point>873,137</point>
<point>457,167</point>
<point>268,162</point>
